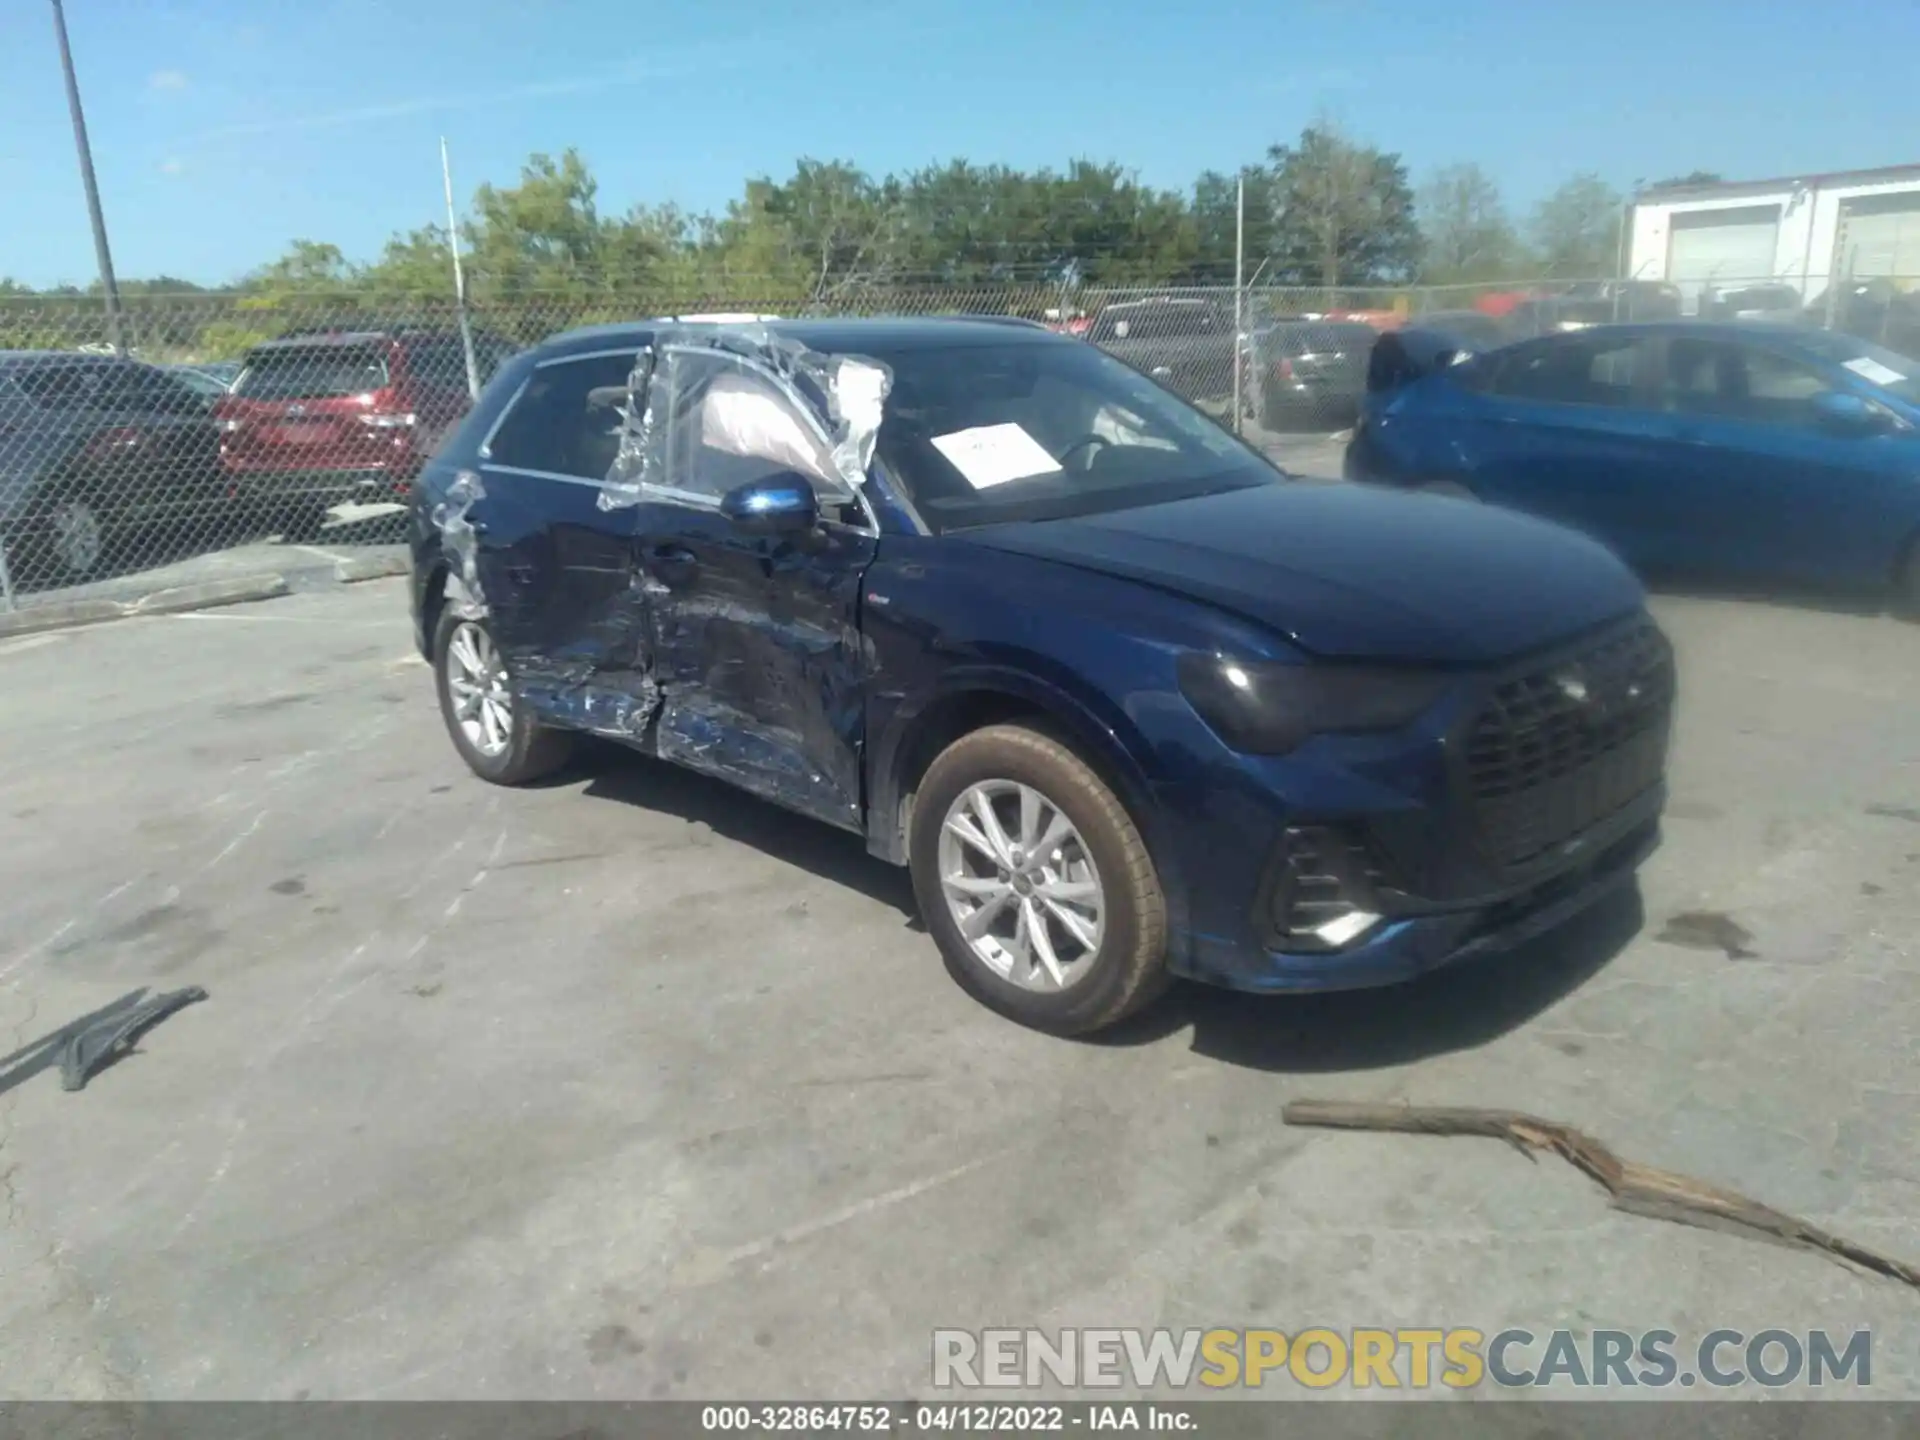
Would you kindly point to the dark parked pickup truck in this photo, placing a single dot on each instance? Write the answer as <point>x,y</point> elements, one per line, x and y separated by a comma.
<point>1186,345</point>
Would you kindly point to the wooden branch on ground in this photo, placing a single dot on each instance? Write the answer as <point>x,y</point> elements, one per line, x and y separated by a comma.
<point>1635,1188</point>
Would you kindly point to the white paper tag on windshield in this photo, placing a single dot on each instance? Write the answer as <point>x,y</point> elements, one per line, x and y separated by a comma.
<point>1868,368</point>
<point>990,455</point>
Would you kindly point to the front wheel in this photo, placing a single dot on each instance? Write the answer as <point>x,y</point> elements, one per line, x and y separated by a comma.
<point>1036,884</point>
<point>492,731</point>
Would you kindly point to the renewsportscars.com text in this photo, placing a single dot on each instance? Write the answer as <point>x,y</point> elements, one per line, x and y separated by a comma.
<point>1417,1359</point>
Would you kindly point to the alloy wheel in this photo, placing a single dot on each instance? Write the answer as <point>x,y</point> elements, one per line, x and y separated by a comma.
<point>77,537</point>
<point>1021,885</point>
<point>477,681</point>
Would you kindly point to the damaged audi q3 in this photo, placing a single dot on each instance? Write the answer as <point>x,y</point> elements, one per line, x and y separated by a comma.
<point>1129,702</point>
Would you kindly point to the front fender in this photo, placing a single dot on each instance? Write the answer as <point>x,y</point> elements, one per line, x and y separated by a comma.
<point>1103,735</point>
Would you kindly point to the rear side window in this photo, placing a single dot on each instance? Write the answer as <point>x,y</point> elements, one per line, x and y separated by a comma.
<point>313,372</point>
<point>1573,372</point>
<point>567,419</point>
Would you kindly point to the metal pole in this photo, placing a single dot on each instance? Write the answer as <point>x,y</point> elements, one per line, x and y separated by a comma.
<point>100,250</point>
<point>1239,303</point>
<point>459,275</point>
<point>1624,251</point>
<point>6,576</point>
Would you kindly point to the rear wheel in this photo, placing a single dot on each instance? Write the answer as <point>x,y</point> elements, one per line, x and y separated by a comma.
<point>493,732</point>
<point>76,543</point>
<point>1036,884</point>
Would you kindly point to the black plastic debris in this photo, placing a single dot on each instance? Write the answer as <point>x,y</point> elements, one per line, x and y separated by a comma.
<point>91,1048</point>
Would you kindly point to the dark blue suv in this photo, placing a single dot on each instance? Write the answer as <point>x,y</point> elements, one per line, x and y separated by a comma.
<point>1129,702</point>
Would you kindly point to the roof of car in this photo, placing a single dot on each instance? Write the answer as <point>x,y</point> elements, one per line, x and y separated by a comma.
<point>1707,329</point>
<point>64,357</point>
<point>847,336</point>
<point>326,337</point>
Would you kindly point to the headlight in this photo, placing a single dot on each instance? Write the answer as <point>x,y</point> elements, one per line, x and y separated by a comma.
<point>1265,709</point>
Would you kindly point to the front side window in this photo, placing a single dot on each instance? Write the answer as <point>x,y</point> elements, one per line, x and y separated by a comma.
<point>567,419</point>
<point>1730,381</point>
<point>724,424</point>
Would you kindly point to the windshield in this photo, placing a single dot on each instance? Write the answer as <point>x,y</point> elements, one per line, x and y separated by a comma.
<point>1897,374</point>
<point>313,372</point>
<point>981,435</point>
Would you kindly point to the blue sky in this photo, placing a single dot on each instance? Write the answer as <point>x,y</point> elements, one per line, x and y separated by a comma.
<point>223,129</point>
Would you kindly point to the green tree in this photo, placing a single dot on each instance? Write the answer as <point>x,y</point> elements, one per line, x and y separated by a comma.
<point>1576,229</point>
<point>1692,177</point>
<point>1342,212</point>
<point>1216,206</point>
<point>1469,236</point>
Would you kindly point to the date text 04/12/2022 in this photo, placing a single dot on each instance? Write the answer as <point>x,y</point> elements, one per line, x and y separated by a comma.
<point>956,1418</point>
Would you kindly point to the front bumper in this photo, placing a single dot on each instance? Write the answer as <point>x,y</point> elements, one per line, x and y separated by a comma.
<point>1410,945</point>
<point>1359,860</point>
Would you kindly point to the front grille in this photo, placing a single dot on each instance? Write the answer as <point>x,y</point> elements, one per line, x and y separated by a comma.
<point>1561,747</point>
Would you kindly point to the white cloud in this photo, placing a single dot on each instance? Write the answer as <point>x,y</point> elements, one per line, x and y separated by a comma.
<point>172,165</point>
<point>167,80</point>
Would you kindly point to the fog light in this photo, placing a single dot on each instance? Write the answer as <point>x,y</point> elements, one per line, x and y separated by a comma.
<point>1323,896</point>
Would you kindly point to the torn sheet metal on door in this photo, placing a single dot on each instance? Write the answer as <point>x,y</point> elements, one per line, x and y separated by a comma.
<point>466,596</point>
<point>761,670</point>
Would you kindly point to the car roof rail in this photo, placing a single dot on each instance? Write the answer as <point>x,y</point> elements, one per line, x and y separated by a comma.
<point>986,318</point>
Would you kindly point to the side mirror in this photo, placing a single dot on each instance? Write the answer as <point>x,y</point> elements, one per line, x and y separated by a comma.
<point>779,505</point>
<point>1843,414</point>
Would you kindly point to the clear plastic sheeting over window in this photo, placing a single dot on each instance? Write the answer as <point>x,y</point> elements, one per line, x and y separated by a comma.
<point>742,416</point>
<point>747,393</point>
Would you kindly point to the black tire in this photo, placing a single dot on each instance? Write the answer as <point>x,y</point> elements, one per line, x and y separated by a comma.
<point>1128,971</point>
<point>52,560</point>
<point>533,751</point>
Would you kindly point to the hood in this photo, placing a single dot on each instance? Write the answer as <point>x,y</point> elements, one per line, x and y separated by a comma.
<point>1354,573</point>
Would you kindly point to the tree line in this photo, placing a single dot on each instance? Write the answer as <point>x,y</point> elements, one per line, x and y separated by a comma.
<point>1327,211</point>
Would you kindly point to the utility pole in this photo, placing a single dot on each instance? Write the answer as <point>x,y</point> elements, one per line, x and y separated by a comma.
<point>100,250</point>
<point>459,275</point>
<point>1239,304</point>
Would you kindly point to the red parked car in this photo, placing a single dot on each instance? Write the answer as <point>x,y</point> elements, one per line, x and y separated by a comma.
<point>319,420</point>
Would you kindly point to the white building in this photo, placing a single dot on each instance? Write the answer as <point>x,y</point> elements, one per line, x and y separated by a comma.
<point>1802,231</point>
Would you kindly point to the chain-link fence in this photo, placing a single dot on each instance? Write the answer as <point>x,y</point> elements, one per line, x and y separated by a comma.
<point>247,419</point>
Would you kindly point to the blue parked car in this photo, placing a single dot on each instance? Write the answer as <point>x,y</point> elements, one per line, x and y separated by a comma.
<point>1127,701</point>
<point>1735,451</point>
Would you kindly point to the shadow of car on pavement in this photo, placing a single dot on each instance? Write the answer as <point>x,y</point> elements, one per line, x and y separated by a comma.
<point>1455,1008</point>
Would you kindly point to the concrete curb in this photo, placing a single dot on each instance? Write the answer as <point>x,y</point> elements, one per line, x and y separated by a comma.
<point>207,594</point>
<point>66,614</point>
<point>369,567</point>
